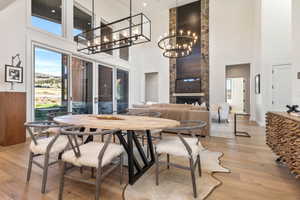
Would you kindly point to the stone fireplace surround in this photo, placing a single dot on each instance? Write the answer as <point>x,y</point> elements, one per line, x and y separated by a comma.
<point>204,63</point>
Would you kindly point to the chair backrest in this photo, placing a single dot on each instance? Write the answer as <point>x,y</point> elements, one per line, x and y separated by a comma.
<point>73,131</point>
<point>187,127</point>
<point>39,129</point>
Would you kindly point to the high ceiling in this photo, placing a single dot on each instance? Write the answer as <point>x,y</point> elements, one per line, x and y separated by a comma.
<point>154,4</point>
<point>5,3</point>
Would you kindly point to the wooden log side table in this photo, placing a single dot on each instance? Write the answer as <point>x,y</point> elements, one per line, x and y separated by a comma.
<point>236,132</point>
<point>283,137</point>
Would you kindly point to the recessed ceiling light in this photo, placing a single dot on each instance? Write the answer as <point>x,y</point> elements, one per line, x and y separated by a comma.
<point>144,4</point>
<point>53,11</point>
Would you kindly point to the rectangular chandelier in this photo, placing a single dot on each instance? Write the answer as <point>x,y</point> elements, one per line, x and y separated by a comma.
<point>119,34</point>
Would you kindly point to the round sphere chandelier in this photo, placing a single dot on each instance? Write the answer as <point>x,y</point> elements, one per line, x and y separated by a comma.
<point>177,44</point>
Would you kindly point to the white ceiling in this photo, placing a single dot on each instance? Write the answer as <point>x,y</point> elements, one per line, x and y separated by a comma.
<point>5,3</point>
<point>155,4</point>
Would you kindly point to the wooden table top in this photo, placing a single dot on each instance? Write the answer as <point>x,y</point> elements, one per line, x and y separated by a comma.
<point>123,122</point>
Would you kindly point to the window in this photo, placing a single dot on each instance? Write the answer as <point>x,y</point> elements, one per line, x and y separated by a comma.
<point>50,83</point>
<point>229,89</point>
<point>47,15</point>
<point>106,35</point>
<point>82,21</point>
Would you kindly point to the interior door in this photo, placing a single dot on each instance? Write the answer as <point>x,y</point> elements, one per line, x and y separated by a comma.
<point>105,90</point>
<point>122,87</point>
<point>281,87</point>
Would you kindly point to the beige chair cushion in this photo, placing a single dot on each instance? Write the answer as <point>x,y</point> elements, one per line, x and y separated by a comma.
<point>174,146</point>
<point>59,145</point>
<point>53,130</point>
<point>90,152</point>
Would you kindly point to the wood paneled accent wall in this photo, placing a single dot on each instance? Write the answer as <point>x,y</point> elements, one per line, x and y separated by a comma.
<point>196,65</point>
<point>12,118</point>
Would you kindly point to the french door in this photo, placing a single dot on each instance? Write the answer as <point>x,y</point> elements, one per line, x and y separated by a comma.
<point>122,87</point>
<point>82,86</point>
<point>105,90</point>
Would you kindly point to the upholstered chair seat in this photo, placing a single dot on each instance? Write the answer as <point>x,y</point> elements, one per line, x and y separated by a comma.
<point>42,145</point>
<point>89,154</point>
<point>53,130</point>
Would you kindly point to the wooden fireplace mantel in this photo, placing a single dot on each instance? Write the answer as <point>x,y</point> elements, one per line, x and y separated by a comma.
<point>188,94</point>
<point>283,137</point>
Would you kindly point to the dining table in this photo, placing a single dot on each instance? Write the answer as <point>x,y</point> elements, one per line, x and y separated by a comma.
<point>130,125</point>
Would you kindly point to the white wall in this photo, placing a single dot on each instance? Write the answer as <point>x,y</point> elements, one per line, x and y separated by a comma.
<point>148,57</point>
<point>232,35</point>
<point>296,50</point>
<point>12,40</point>
<point>275,47</point>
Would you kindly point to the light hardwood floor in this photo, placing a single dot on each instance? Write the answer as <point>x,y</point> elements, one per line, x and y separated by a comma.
<point>254,176</point>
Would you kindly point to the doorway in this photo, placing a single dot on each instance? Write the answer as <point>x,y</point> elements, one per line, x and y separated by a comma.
<point>151,87</point>
<point>235,93</point>
<point>238,87</point>
<point>281,87</point>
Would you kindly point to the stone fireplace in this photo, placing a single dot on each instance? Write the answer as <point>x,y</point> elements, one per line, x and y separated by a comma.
<point>189,76</point>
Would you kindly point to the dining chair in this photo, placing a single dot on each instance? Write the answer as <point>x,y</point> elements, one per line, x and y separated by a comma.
<point>95,155</point>
<point>42,144</point>
<point>187,147</point>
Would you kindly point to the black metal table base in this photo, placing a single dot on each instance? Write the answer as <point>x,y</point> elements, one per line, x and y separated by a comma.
<point>135,170</point>
<point>236,132</point>
<point>242,134</point>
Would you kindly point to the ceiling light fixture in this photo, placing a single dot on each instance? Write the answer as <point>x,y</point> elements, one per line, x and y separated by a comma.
<point>177,44</point>
<point>126,32</point>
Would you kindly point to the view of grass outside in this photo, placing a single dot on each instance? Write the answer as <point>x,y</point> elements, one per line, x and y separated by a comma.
<point>48,83</point>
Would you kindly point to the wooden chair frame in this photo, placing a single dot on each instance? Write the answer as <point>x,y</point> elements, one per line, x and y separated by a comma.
<point>193,163</point>
<point>41,131</point>
<point>72,133</point>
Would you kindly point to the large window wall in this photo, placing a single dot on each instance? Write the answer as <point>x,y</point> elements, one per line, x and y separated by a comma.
<point>63,79</point>
<point>64,83</point>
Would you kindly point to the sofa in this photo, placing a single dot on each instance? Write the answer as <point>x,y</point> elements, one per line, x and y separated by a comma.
<point>179,112</point>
